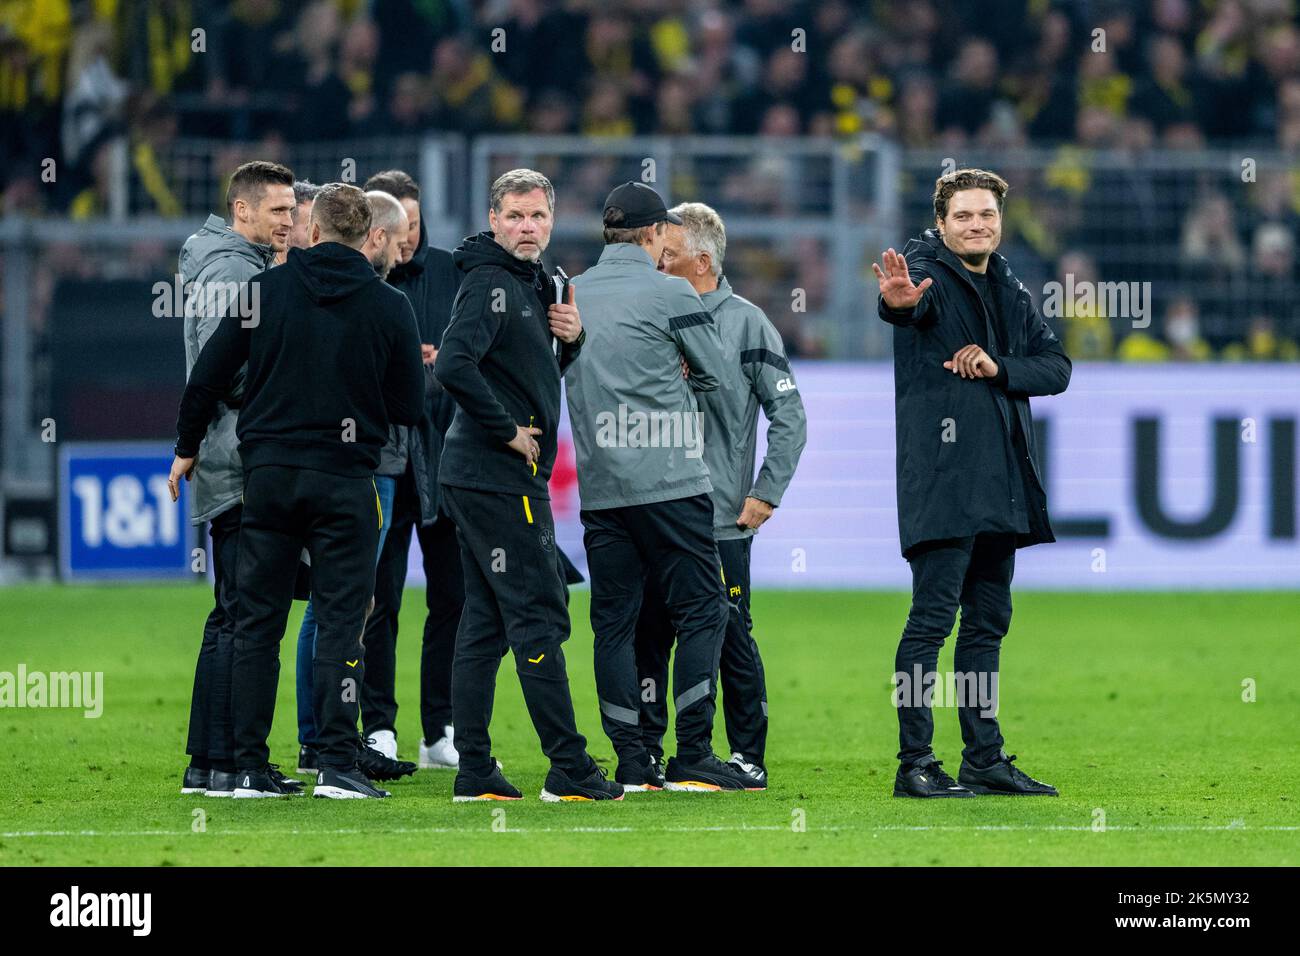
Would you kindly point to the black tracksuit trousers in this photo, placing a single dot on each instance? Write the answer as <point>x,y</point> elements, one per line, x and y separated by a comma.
<point>444,596</point>
<point>211,741</point>
<point>740,670</point>
<point>973,573</point>
<point>515,600</point>
<point>673,542</point>
<point>337,520</point>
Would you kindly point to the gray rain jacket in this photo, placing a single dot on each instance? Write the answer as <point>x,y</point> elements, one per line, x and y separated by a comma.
<point>751,344</point>
<point>214,264</point>
<point>636,425</point>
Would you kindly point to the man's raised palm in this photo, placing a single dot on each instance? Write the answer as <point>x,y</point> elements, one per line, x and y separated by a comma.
<point>896,285</point>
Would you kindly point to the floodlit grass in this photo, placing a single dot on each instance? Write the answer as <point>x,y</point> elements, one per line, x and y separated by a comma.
<point>1131,704</point>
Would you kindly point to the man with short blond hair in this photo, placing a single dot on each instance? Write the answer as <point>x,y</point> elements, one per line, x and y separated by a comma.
<point>382,247</point>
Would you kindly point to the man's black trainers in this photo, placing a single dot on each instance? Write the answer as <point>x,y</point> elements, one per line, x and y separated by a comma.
<point>195,780</point>
<point>560,787</point>
<point>308,759</point>
<point>927,780</point>
<point>378,767</point>
<point>289,785</point>
<point>258,783</point>
<point>637,775</point>
<point>221,783</point>
<point>1004,779</point>
<point>350,784</point>
<point>708,773</point>
<point>494,786</point>
<point>756,772</point>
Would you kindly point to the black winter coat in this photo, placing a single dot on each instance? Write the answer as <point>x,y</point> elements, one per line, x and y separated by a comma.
<point>975,481</point>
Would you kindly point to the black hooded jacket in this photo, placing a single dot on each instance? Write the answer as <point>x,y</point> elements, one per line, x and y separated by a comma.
<point>966,459</point>
<point>501,364</point>
<point>333,357</point>
<point>430,280</point>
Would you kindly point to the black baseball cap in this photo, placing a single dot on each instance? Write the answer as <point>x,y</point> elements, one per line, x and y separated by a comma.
<point>641,206</point>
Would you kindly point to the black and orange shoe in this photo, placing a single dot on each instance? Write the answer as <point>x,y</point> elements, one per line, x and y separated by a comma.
<point>639,774</point>
<point>702,775</point>
<point>493,786</point>
<point>562,788</point>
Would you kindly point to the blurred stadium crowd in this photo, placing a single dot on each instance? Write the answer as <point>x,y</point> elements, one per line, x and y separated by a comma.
<point>995,78</point>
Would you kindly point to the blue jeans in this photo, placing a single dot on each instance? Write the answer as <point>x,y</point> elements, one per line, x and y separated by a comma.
<point>385,489</point>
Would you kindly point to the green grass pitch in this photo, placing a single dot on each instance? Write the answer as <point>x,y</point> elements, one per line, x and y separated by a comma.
<point>1131,704</point>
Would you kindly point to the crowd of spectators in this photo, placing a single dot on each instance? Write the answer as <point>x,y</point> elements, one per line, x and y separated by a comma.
<point>949,75</point>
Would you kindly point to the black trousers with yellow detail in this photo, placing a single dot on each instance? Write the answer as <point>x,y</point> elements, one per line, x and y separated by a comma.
<point>515,600</point>
<point>336,519</point>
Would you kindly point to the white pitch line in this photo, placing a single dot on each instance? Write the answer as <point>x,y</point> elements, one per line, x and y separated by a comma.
<point>772,828</point>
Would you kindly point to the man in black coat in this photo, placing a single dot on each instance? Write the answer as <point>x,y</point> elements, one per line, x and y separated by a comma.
<point>969,350</point>
<point>429,278</point>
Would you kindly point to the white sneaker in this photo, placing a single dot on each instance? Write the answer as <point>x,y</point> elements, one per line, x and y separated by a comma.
<point>441,754</point>
<point>385,741</point>
<point>755,772</point>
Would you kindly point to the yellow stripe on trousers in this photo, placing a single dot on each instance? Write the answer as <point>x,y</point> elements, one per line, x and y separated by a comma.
<point>528,511</point>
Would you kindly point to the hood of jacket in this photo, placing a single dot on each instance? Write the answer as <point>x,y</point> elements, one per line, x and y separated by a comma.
<point>484,250</point>
<point>403,272</point>
<point>215,240</point>
<point>330,271</point>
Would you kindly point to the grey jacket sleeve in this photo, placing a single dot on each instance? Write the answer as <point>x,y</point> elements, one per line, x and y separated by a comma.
<point>696,334</point>
<point>767,369</point>
<point>226,270</point>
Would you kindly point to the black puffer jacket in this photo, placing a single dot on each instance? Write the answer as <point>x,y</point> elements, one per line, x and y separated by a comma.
<point>958,468</point>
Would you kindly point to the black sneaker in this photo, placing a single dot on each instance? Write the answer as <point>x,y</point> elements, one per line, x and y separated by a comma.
<point>308,759</point>
<point>560,787</point>
<point>1003,779</point>
<point>195,780</point>
<point>637,775</point>
<point>705,774</point>
<point>290,785</point>
<point>494,786</point>
<point>258,783</point>
<point>378,767</point>
<point>756,772</point>
<point>350,784</point>
<point>927,780</point>
<point>221,783</point>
